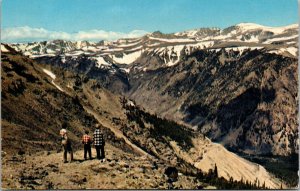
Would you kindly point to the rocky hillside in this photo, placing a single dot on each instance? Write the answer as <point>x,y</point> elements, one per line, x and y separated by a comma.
<point>30,104</point>
<point>121,170</point>
<point>37,99</point>
<point>246,100</point>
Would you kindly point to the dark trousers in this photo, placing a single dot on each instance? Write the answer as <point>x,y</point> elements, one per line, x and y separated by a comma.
<point>68,149</point>
<point>100,151</point>
<point>87,149</point>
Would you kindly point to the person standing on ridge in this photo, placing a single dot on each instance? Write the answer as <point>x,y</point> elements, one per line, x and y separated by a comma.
<point>87,141</point>
<point>66,143</point>
<point>99,143</point>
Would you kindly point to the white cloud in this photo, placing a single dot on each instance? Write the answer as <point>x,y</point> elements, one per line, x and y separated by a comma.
<point>28,34</point>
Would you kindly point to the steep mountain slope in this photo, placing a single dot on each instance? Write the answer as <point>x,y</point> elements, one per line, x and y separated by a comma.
<point>247,100</point>
<point>36,100</point>
<point>34,106</point>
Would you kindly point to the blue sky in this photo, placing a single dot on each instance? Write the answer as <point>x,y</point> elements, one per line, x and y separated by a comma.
<point>125,17</point>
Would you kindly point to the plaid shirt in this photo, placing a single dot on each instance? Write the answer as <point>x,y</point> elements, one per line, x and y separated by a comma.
<point>98,138</point>
<point>86,139</point>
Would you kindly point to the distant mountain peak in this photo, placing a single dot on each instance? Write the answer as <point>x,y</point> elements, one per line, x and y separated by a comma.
<point>249,25</point>
<point>254,26</point>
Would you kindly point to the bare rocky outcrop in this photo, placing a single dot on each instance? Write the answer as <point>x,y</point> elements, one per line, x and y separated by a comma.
<point>121,170</point>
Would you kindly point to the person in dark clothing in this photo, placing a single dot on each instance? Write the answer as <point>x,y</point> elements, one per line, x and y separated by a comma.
<point>99,143</point>
<point>172,174</point>
<point>87,141</point>
<point>66,143</point>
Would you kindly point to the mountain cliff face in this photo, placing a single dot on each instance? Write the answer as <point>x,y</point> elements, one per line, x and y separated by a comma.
<point>247,101</point>
<point>236,85</point>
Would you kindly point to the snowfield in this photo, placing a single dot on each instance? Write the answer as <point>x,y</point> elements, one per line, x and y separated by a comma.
<point>127,58</point>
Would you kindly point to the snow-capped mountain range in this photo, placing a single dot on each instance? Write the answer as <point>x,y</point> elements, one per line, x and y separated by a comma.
<point>174,75</point>
<point>170,47</point>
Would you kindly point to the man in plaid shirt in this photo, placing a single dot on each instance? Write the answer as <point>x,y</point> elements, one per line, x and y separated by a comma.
<point>87,141</point>
<point>99,143</point>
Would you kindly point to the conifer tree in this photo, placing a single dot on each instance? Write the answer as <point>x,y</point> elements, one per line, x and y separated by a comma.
<point>216,171</point>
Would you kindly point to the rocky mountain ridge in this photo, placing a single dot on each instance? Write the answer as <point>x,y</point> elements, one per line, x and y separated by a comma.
<point>121,51</point>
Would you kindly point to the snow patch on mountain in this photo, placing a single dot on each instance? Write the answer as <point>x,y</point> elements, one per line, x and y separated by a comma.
<point>242,48</point>
<point>172,63</point>
<point>153,44</point>
<point>292,50</point>
<point>3,48</point>
<point>49,73</point>
<point>221,37</point>
<point>39,55</point>
<point>75,53</point>
<point>189,33</point>
<point>63,59</point>
<point>204,44</point>
<point>53,76</point>
<point>171,54</point>
<point>275,30</point>
<point>252,39</point>
<point>113,50</point>
<point>280,39</point>
<point>135,48</point>
<point>100,61</point>
<point>127,70</point>
<point>90,48</point>
<point>57,86</point>
<point>174,55</point>
<point>172,40</point>
<point>127,58</point>
<point>130,44</point>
